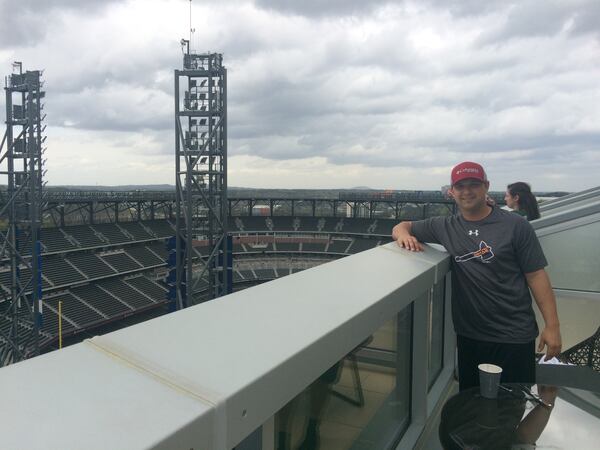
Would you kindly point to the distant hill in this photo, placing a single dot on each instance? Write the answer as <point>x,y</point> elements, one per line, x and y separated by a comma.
<point>127,187</point>
<point>243,192</point>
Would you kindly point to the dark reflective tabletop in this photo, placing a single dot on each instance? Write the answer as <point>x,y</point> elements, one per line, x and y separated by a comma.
<point>516,421</point>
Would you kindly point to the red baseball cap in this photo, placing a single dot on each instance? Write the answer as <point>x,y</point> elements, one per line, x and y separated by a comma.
<point>466,170</point>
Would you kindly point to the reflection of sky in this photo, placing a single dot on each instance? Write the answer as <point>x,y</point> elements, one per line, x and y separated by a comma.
<point>570,428</point>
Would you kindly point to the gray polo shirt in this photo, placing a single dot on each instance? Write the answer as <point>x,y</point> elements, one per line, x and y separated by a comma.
<point>490,257</point>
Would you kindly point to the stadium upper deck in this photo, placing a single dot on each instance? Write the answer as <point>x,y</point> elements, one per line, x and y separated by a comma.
<point>104,254</point>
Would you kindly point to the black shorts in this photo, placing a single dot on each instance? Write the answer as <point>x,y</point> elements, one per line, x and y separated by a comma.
<point>517,361</point>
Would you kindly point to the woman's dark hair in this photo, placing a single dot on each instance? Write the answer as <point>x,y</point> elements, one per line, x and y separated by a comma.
<point>527,201</point>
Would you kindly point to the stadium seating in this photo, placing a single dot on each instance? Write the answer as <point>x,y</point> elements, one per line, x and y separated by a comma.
<point>237,247</point>
<point>54,240</point>
<point>50,317</point>
<point>120,261</point>
<point>384,226</point>
<point>25,274</point>
<point>76,311</point>
<point>160,228</point>
<point>6,325</point>
<point>5,280</point>
<point>280,272</point>
<point>159,249</point>
<point>357,225</point>
<point>90,264</point>
<point>101,300</point>
<point>259,247</point>
<point>248,274</point>
<point>60,272</point>
<point>287,247</point>
<point>136,230</point>
<point>333,224</point>
<point>308,224</point>
<point>111,232</point>
<point>85,236</point>
<point>265,274</point>
<point>148,287</point>
<point>283,224</point>
<point>255,224</point>
<point>338,246</point>
<point>24,244</point>
<point>308,247</point>
<point>144,256</point>
<point>237,276</point>
<point>236,224</point>
<point>126,293</point>
<point>360,245</point>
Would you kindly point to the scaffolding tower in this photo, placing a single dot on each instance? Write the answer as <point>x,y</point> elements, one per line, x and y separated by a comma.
<point>202,247</point>
<point>21,152</point>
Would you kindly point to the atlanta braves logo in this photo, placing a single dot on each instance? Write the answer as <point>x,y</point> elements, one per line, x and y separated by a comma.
<point>485,254</point>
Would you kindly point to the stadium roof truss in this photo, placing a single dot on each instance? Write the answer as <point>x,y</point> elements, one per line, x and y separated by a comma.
<point>59,212</point>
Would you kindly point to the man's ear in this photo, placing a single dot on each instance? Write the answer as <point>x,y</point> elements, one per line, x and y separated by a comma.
<point>487,185</point>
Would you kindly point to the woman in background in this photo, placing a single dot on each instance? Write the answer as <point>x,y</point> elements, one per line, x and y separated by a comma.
<point>520,199</point>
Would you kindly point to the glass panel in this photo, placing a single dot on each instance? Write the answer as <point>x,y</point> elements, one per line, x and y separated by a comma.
<point>363,401</point>
<point>436,331</point>
<point>573,261</point>
<point>567,206</point>
<point>579,317</point>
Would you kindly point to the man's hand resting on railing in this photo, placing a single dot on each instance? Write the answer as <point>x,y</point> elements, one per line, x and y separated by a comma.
<point>401,234</point>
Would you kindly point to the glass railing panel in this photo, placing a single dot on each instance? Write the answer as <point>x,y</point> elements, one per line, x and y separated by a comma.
<point>569,199</point>
<point>436,331</point>
<point>565,207</point>
<point>579,315</point>
<point>573,257</point>
<point>363,401</point>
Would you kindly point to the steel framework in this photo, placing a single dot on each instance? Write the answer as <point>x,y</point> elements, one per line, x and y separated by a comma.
<point>201,178</point>
<point>21,153</point>
<point>586,353</point>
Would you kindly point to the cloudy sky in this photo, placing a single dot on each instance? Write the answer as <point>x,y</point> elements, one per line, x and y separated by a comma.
<point>322,93</point>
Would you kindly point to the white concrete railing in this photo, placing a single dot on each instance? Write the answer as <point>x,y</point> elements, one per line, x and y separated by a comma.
<point>208,376</point>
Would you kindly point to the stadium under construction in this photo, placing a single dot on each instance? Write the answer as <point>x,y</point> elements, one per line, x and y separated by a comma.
<point>104,256</point>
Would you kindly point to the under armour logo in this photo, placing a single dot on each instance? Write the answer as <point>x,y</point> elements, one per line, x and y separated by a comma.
<point>471,232</point>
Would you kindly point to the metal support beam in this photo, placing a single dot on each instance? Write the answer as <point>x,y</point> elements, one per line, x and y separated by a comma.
<point>201,178</point>
<point>20,245</point>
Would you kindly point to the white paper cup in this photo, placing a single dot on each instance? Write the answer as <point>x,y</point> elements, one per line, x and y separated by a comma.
<point>489,380</point>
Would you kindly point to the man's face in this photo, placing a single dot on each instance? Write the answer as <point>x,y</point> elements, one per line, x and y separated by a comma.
<point>470,194</point>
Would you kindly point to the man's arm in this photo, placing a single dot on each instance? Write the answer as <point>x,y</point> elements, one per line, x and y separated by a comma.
<point>540,286</point>
<point>401,234</point>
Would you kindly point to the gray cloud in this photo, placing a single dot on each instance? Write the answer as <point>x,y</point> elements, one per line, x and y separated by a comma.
<point>527,19</point>
<point>25,22</point>
<point>320,8</point>
<point>469,8</point>
<point>421,85</point>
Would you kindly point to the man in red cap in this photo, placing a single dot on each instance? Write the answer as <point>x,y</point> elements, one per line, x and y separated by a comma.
<point>496,260</point>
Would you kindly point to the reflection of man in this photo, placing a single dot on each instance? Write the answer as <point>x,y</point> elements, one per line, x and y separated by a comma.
<point>532,425</point>
<point>318,396</point>
<point>469,421</point>
<point>496,259</point>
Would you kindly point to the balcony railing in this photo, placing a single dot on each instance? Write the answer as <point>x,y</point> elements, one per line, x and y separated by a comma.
<point>235,371</point>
